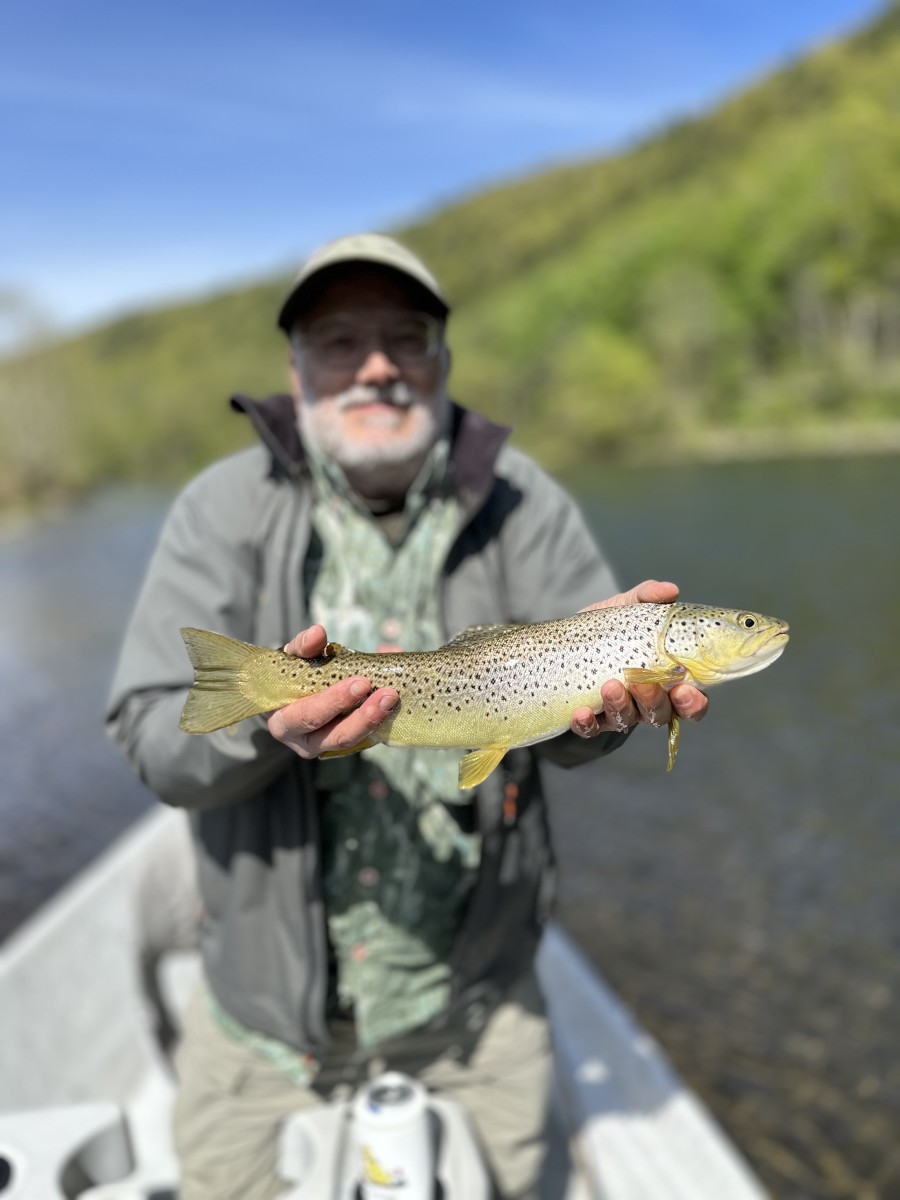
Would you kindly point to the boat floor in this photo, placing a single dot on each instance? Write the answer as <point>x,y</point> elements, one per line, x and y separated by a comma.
<point>77,1040</point>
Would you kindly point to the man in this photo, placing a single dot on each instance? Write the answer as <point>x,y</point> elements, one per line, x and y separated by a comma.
<point>361,912</point>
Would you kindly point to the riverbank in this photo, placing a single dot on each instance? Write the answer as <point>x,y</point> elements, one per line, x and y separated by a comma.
<point>844,439</point>
<point>695,449</point>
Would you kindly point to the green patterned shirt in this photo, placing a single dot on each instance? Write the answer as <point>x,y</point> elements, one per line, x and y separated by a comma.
<point>398,861</point>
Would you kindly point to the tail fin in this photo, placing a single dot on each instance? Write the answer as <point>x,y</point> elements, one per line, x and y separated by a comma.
<point>216,699</point>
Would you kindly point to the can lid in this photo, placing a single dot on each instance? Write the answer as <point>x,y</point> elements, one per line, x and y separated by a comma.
<point>388,1094</point>
<point>390,1099</point>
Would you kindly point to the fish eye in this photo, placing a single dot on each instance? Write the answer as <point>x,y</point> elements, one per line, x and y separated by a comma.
<point>747,621</point>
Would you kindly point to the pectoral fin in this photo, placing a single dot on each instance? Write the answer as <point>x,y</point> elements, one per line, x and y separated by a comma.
<point>366,744</point>
<point>674,735</point>
<point>476,766</point>
<point>664,676</point>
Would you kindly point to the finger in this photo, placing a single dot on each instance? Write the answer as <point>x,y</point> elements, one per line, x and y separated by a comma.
<point>620,712</point>
<point>650,591</point>
<point>689,702</point>
<point>310,713</point>
<point>652,702</point>
<point>585,723</point>
<point>309,643</point>
<point>339,733</point>
<point>348,730</point>
<point>655,591</point>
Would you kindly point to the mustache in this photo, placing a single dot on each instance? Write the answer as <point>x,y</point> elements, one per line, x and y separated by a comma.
<point>398,393</point>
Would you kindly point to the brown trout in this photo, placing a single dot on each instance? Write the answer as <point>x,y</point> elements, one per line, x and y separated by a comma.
<point>492,687</point>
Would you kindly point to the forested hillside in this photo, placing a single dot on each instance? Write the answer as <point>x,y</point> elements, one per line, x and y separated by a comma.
<point>731,285</point>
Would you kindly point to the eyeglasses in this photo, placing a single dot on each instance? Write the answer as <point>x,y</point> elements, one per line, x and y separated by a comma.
<point>345,341</point>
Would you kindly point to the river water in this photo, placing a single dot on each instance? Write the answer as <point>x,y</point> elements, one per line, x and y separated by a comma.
<point>745,906</point>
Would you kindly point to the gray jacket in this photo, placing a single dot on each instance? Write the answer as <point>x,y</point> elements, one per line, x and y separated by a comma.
<point>230,558</point>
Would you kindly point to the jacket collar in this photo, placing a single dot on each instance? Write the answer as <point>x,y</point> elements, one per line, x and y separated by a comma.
<point>476,442</point>
<point>275,425</point>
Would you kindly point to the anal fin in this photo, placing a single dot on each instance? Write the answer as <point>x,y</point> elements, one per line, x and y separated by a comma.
<point>475,767</point>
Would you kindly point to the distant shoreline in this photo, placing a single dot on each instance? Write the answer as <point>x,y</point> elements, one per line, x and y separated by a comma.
<point>840,440</point>
<point>700,448</point>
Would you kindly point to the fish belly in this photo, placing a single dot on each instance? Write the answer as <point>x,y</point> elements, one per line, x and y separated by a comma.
<point>455,719</point>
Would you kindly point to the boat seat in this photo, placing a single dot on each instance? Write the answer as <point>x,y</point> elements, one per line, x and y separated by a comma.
<point>61,1153</point>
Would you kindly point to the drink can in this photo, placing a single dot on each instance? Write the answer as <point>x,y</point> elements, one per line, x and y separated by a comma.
<point>393,1133</point>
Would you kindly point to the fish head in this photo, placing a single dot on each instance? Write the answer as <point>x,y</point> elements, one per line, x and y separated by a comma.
<point>715,644</point>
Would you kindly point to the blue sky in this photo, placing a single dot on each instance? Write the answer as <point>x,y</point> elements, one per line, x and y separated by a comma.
<point>153,152</point>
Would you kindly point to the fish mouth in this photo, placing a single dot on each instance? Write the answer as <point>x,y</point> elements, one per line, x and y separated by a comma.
<point>761,640</point>
<point>774,643</point>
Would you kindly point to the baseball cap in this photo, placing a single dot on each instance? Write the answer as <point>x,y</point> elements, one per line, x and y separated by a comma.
<point>374,248</point>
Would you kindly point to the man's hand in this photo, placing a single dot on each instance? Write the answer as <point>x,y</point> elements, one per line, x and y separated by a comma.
<point>333,719</point>
<point>645,703</point>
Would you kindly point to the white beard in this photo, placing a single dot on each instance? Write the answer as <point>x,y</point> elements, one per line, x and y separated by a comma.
<point>382,468</point>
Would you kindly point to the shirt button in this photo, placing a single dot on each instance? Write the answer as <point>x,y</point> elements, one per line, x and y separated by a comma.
<point>369,876</point>
<point>378,789</point>
<point>359,952</point>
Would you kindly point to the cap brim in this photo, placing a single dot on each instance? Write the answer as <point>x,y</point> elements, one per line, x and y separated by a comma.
<point>363,250</point>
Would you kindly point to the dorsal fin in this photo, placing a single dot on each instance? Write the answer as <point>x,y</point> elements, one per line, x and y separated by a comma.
<point>480,633</point>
